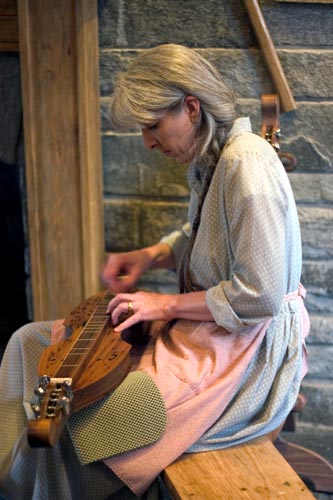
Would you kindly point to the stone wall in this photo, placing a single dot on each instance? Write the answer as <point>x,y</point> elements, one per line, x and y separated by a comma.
<point>146,195</point>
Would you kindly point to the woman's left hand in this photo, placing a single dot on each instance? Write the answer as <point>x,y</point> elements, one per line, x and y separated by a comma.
<point>144,306</point>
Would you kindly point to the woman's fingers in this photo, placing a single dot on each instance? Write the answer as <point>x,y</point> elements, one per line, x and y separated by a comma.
<point>122,270</point>
<point>138,306</point>
<point>123,305</point>
<point>130,321</point>
<point>120,298</point>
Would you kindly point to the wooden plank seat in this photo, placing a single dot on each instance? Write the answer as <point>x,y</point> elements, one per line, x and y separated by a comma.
<point>252,471</point>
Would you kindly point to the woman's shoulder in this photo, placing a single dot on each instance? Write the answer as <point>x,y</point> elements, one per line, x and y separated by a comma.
<point>245,152</point>
<point>245,148</point>
<point>247,142</point>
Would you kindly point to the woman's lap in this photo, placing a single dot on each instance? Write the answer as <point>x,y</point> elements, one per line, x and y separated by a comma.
<point>44,473</point>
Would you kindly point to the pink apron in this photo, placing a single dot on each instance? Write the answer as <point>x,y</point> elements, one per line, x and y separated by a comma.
<point>197,368</point>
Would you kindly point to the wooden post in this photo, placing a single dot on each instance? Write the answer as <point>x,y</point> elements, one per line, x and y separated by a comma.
<point>60,91</point>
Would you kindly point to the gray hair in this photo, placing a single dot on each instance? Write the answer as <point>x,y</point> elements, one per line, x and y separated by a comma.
<point>159,80</point>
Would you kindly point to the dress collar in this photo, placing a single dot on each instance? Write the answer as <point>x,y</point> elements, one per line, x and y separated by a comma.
<point>240,126</point>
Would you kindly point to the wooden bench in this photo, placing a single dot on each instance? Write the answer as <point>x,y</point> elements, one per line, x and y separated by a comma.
<point>252,471</point>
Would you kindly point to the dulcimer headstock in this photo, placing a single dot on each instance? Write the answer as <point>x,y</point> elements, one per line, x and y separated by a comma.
<point>52,409</point>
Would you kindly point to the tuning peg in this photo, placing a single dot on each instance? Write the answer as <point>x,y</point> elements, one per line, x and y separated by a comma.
<point>63,403</point>
<point>67,385</point>
<point>39,391</point>
<point>36,409</point>
<point>44,380</point>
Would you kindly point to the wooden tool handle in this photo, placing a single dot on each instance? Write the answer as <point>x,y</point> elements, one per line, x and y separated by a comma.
<point>270,55</point>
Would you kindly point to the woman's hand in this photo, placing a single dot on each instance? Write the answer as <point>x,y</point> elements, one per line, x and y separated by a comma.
<point>144,306</point>
<point>149,306</point>
<point>123,270</point>
<point>58,331</point>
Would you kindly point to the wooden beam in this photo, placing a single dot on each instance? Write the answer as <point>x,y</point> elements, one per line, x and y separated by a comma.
<point>60,92</point>
<point>8,26</point>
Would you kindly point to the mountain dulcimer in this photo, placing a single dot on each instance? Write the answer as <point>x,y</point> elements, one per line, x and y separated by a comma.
<point>78,371</point>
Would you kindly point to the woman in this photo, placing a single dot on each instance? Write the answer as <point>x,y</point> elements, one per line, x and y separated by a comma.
<point>226,355</point>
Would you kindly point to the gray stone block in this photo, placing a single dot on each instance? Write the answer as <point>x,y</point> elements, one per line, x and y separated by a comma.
<point>122,221</point>
<point>321,329</point>
<point>320,362</point>
<point>319,395</point>
<point>317,277</point>
<point>120,165</point>
<point>134,223</point>
<point>130,169</point>
<point>317,231</point>
<point>318,302</point>
<point>289,22</point>
<point>305,134</point>
<point>312,188</point>
<point>308,71</point>
<point>111,62</point>
<point>211,23</point>
<point>194,23</point>
<point>318,274</point>
<point>160,219</point>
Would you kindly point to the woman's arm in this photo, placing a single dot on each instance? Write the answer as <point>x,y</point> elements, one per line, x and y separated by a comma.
<point>123,270</point>
<point>161,256</point>
<point>147,306</point>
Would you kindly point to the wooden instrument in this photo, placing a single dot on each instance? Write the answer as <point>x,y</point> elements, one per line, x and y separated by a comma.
<point>78,371</point>
<point>270,128</point>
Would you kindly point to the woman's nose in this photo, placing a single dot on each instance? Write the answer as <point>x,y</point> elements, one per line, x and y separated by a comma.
<point>149,140</point>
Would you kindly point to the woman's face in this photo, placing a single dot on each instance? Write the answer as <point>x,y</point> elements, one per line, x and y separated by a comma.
<point>174,133</point>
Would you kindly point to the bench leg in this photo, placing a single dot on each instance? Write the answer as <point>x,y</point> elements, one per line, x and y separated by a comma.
<point>314,470</point>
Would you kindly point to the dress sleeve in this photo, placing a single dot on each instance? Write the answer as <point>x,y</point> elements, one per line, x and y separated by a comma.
<point>177,240</point>
<point>256,203</point>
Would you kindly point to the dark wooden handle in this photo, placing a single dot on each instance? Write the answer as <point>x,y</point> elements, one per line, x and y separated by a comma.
<point>270,55</point>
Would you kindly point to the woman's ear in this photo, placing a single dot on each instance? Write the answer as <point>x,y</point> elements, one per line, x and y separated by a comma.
<point>193,108</point>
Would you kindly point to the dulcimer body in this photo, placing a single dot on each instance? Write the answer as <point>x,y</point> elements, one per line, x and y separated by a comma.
<point>78,371</point>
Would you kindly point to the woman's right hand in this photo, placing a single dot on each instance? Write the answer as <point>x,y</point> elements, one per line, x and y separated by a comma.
<point>122,270</point>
